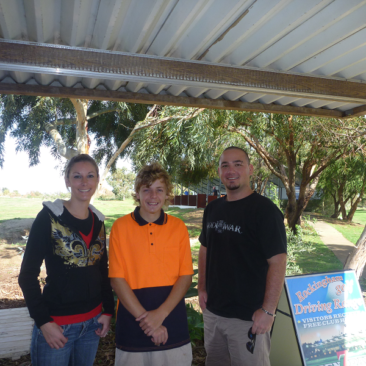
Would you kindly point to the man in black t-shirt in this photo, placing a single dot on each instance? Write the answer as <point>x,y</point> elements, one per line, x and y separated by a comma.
<point>242,264</point>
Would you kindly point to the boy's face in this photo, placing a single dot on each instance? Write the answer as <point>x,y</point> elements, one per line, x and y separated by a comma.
<point>152,199</point>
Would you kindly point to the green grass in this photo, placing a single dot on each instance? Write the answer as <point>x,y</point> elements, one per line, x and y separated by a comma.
<point>113,210</point>
<point>352,231</point>
<point>20,208</point>
<point>13,208</point>
<point>360,216</point>
<point>320,258</point>
<point>179,212</point>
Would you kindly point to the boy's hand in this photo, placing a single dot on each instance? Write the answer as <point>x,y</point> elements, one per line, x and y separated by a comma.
<point>160,336</point>
<point>151,321</point>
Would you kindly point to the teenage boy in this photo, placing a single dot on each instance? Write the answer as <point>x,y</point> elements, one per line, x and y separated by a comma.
<point>150,266</point>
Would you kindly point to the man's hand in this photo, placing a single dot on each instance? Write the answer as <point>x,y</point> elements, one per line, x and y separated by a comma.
<point>262,322</point>
<point>53,334</point>
<point>151,320</point>
<point>105,320</point>
<point>160,336</point>
<point>202,298</point>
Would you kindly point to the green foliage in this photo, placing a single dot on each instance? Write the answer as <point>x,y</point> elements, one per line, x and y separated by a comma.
<point>5,191</point>
<point>186,148</point>
<point>28,119</point>
<point>109,130</point>
<point>273,195</point>
<point>192,291</point>
<point>122,182</point>
<point>296,245</point>
<point>295,148</point>
<point>195,324</point>
<point>307,253</point>
<point>344,182</point>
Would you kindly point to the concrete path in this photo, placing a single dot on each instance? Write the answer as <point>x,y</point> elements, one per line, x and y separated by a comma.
<point>334,240</point>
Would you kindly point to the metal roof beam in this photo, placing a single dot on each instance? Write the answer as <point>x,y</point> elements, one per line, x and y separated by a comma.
<point>355,112</point>
<point>130,97</point>
<point>18,56</point>
<point>91,63</point>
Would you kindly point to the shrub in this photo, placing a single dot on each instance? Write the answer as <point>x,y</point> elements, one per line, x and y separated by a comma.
<point>195,324</point>
<point>5,191</point>
<point>296,244</point>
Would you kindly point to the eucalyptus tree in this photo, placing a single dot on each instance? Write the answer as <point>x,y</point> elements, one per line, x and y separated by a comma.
<point>69,125</point>
<point>301,149</point>
<point>122,181</point>
<point>345,182</point>
<point>295,149</point>
<point>185,146</point>
<point>66,125</point>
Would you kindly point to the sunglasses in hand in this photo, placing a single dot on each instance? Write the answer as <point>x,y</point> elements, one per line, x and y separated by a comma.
<point>251,343</point>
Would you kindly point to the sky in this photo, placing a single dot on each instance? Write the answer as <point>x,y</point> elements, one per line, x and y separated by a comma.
<point>16,175</point>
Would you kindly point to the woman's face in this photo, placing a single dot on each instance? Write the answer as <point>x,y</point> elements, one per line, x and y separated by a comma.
<point>83,181</point>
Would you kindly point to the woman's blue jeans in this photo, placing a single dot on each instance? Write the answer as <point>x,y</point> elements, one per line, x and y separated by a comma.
<point>79,350</point>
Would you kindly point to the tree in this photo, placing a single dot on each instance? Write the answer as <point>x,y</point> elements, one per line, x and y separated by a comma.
<point>67,124</point>
<point>357,259</point>
<point>298,145</point>
<point>185,146</point>
<point>122,182</point>
<point>294,149</point>
<point>345,182</point>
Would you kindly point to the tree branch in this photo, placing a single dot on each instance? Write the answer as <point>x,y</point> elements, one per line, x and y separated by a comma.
<point>103,111</point>
<point>62,149</point>
<point>139,126</point>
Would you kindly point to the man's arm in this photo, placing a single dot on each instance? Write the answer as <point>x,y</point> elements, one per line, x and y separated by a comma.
<point>202,294</point>
<point>151,320</point>
<point>275,278</point>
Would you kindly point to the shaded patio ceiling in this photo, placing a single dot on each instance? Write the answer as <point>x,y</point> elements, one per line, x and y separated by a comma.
<point>279,56</point>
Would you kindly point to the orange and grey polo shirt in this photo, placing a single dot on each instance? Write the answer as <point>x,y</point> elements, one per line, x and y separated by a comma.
<point>150,257</point>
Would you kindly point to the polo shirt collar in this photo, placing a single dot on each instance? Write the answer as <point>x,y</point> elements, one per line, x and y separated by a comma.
<point>142,222</point>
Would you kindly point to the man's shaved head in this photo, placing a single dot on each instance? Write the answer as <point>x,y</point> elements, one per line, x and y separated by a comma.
<point>237,148</point>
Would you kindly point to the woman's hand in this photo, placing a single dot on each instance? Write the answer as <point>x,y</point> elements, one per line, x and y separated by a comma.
<point>105,320</point>
<point>53,334</point>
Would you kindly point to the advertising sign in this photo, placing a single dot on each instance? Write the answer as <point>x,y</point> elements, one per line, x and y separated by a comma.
<point>329,314</point>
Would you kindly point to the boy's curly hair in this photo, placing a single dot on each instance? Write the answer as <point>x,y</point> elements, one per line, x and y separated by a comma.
<point>148,175</point>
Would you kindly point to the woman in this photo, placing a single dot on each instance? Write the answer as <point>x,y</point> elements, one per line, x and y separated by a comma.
<point>70,237</point>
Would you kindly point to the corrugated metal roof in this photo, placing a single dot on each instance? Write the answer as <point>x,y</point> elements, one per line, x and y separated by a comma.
<point>317,38</point>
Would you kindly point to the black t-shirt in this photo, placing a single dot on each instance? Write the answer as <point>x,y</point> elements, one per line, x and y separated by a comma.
<point>82,225</point>
<point>240,236</point>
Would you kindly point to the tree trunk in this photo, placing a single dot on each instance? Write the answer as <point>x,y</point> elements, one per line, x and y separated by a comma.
<point>342,202</point>
<point>264,185</point>
<point>111,161</point>
<point>292,218</point>
<point>356,202</point>
<point>296,209</point>
<point>357,258</point>
<point>336,206</point>
<point>82,137</point>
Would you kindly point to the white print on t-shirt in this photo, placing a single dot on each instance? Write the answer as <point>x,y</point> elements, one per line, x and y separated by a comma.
<point>221,226</point>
